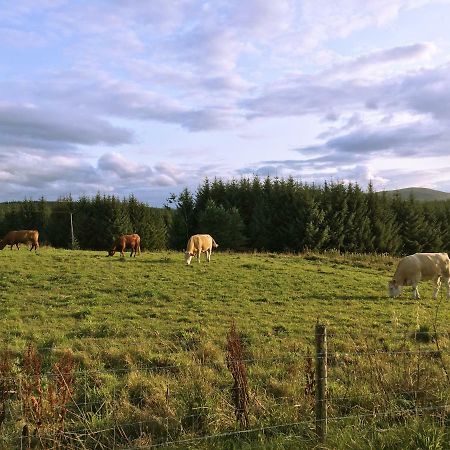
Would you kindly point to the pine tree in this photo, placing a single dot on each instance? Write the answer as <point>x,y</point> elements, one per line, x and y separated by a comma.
<point>434,233</point>
<point>317,231</point>
<point>358,236</point>
<point>412,225</point>
<point>59,230</point>
<point>43,212</point>
<point>335,207</point>
<point>384,226</point>
<point>226,226</point>
<point>183,220</point>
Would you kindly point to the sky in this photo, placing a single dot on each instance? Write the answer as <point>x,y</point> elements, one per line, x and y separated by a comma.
<point>147,97</point>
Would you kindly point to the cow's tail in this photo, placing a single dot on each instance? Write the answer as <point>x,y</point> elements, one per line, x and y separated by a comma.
<point>215,245</point>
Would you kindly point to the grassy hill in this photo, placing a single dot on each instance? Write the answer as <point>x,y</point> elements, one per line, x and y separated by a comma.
<point>148,340</point>
<point>421,194</point>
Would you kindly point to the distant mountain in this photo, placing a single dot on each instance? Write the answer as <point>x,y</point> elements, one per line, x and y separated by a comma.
<point>421,194</point>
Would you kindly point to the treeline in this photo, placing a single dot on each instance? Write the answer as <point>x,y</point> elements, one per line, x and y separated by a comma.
<point>95,221</point>
<point>248,214</point>
<point>286,215</point>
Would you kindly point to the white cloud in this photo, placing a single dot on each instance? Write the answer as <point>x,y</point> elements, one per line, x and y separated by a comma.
<point>323,20</point>
<point>32,173</point>
<point>95,74</point>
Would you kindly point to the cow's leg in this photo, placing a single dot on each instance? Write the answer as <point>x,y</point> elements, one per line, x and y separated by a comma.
<point>437,285</point>
<point>17,245</point>
<point>415,293</point>
<point>198,255</point>
<point>208,254</point>
<point>447,282</point>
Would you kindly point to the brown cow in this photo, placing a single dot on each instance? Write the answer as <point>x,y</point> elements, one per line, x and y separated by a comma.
<point>21,237</point>
<point>132,241</point>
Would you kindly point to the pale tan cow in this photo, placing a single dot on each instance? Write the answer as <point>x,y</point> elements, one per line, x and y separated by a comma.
<point>21,237</point>
<point>132,241</point>
<point>197,244</point>
<point>418,267</point>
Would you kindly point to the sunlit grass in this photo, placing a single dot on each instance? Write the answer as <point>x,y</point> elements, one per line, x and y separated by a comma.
<point>155,329</point>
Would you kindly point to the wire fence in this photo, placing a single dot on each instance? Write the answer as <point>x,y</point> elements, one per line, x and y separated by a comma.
<point>192,403</point>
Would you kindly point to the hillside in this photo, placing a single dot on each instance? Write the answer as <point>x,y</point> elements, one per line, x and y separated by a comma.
<point>421,194</point>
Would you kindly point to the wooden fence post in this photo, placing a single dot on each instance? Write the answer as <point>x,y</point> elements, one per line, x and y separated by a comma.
<point>321,382</point>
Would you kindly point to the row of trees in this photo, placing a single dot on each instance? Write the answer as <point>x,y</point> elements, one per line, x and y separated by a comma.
<point>286,215</point>
<point>95,221</point>
<point>245,214</point>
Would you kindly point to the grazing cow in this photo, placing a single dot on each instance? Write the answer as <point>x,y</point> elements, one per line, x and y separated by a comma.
<point>197,244</point>
<point>132,241</point>
<point>421,266</point>
<point>21,237</point>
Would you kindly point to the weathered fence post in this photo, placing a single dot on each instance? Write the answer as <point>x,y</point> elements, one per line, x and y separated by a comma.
<point>321,381</point>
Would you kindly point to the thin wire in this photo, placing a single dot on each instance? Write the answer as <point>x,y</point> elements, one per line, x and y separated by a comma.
<point>234,433</point>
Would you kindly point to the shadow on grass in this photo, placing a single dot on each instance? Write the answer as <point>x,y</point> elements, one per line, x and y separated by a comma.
<point>330,297</point>
<point>162,261</point>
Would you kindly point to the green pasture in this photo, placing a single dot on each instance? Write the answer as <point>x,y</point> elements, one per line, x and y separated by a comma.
<point>148,335</point>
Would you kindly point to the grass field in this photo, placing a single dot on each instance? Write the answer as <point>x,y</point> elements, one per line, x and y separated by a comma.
<point>148,337</point>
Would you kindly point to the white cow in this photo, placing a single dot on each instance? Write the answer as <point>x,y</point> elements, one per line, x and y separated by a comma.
<point>421,266</point>
<point>197,244</point>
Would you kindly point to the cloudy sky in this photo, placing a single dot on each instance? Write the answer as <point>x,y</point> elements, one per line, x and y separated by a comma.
<point>151,96</point>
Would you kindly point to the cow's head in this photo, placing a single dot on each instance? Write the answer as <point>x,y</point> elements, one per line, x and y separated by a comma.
<point>2,244</point>
<point>188,257</point>
<point>394,290</point>
<point>111,252</point>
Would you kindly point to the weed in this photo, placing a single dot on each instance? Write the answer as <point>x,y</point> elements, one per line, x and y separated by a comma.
<point>236,365</point>
<point>423,334</point>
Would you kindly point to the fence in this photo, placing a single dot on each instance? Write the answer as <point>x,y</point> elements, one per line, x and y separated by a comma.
<point>300,396</point>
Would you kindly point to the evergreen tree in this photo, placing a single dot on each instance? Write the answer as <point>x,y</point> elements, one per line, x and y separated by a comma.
<point>182,223</point>
<point>358,235</point>
<point>434,233</point>
<point>59,230</point>
<point>226,226</point>
<point>260,227</point>
<point>384,226</point>
<point>43,212</point>
<point>336,210</point>
<point>412,225</point>
<point>317,231</point>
